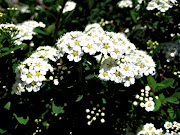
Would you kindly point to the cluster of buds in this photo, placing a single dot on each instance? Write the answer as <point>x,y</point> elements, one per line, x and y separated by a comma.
<point>172,127</point>
<point>95,113</point>
<point>177,73</point>
<point>145,99</point>
<point>38,129</point>
<point>151,45</point>
<point>105,22</point>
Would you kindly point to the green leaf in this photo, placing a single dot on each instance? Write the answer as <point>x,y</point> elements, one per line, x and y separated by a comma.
<point>171,113</point>
<point>21,120</point>
<point>79,98</point>
<point>165,83</point>
<point>56,109</point>
<point>89,76</point>
<point>171,99</point>
<point>176,95</point>
<point>152,82</point>
<point>104,100</point>
<point>45,124</point>
<point>8,105</point>
<point>161,96</point>
<point>157,49</point>
<point>134,15</point>
<point>158,104</point>
<point>90,3</point>
<point>38,30</point>
<point>10,50</point>
<point>50,29</point>
<point>87,68</point>
<point>2,131</point>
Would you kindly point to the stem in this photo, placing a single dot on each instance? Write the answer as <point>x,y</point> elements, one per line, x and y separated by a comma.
<point>99,64</point>
<point>80,73</point>
<point>42,4</point>
<point>58,20</point>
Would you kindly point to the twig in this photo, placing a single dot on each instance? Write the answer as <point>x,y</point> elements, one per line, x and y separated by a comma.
<point>42,4</point>
<point>58,21</point>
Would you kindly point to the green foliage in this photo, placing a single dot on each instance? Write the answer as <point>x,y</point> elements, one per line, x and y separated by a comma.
<point>8,105</point>
<point>56,109</point>
<point>168,82</point>
<point>21,120</point>
<point>79,98</point>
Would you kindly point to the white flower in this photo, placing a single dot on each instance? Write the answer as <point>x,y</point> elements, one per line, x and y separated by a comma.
<point>92,26</point>
<point>75,54</point>
<point>69,6</point>
<point>173,1</point>
<point>46,52</point>
<point>128,81</point>
<point>38,76</point>
<point>89,47</point>
<point>149,106</point>
<point>125,3</point>
<point>116,52</point>
<point>34,86</point>
<point>149,127</point>
<point>116,75</point>
<point>147,88</point>
<point>27,76</point>
<point>104,74</point>
<point>142,104</point>
<point>18,87</point>
<point>163,7</point>
<point>56,82</point>
<point>159,131</point>
<point>152,5</point>
<point>167,125</point>
<point>135,103</point>
<point>141,133</point>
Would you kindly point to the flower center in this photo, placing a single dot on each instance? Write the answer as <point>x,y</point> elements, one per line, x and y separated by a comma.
<point>89,46</point>
<point>76,42</point>
<point>126,68</point>
<point>105,73</point>
<point>38,64</point>
<point>29,75</point>
<point>106,46</point>
<point>38,74</point>
<point>141,66</point>
<point>117,73</point>
<point>75,53</point>
<point>116,50</point>
<point>149,105</point>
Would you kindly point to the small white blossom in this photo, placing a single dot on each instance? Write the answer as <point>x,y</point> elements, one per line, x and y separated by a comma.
<point>149,106</point>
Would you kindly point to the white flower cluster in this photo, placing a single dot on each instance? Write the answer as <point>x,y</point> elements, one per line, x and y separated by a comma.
<point>145,99</point>
<point>129,3</point>
<point>69,6</point>
<point>131,65</point>
<point>93,40</point>
<point>161,5</point>
<point>25,30</point>
<point>149,129</point>
<point>171,50</point>
<point>31,73</point>
<point>172,128</point>
<point>45,52</point>
<point>125,62</point>
<point>125,3</point>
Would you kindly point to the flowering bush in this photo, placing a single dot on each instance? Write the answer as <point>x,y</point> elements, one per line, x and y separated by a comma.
<point>108,66</point>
